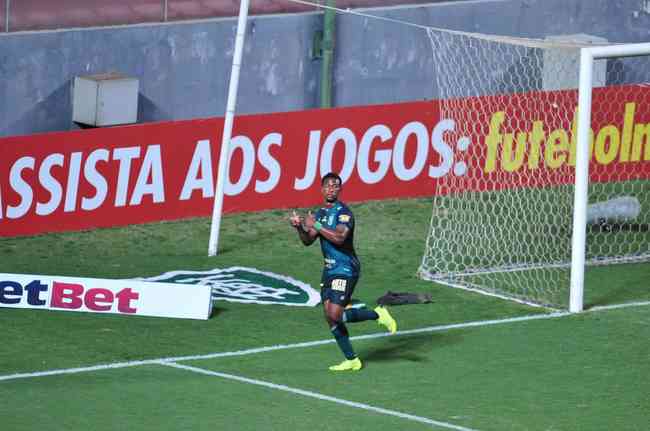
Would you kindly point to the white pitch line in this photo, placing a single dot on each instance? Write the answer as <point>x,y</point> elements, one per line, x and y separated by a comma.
<point>309,343</point>
<point>78,370</point>
<point>318,396</point>
<point>617,306</point>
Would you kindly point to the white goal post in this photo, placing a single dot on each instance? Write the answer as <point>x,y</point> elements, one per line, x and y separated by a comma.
<point>547,190</point>
<point>587,57</point>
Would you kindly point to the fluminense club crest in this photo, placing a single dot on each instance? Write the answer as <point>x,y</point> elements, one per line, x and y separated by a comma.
<point>241,284</point>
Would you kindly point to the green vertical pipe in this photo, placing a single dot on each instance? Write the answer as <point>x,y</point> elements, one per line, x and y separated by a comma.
<point>328,55</point>
<point>7,12</point>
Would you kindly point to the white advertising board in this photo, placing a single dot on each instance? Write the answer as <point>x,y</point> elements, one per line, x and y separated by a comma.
<point>95,295</point>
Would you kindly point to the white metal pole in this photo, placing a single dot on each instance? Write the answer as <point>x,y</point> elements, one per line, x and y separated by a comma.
<point>227,128</point>
<point>578,246</point>
<point>625,50</point>
<point>581,183</point>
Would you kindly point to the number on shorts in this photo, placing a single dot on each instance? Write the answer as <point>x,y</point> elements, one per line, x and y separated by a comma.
<point>339,284</point>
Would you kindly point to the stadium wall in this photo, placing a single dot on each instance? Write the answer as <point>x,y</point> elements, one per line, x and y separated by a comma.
<point>183,67</point>
<point>125,175</point>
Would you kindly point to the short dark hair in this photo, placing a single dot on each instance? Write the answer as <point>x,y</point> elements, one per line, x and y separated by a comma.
<point>332,175</point>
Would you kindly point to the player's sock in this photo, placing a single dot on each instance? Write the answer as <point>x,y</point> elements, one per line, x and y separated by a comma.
<point>359,315</point>
<point>342,338</point>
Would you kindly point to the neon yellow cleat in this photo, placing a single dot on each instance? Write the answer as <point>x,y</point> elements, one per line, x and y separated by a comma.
<point>348,365</point>
<point>385,319</point>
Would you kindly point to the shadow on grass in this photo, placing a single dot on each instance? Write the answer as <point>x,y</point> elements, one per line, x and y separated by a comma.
<point>616,284</point>
<point>217,311</point>
<point>620,296</point>
<point>416,348</point>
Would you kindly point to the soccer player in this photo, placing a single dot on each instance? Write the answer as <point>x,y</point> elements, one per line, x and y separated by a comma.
<point>333,224</point>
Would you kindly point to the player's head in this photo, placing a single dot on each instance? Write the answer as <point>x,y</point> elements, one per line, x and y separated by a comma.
<point>331,185</point>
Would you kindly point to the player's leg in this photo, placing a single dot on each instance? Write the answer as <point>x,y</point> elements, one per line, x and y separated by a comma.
<point>340,332</point>
<point>380,314</point>
<point>333,314</point>
<point>353,315</point>
<point>334,300</point>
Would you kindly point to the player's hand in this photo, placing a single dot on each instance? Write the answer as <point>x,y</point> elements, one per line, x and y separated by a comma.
<point>309,220</point>
<point>294,219</point>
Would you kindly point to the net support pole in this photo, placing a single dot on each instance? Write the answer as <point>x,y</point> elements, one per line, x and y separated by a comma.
<point>578,246</point>
<point>227,128</point>
<point>329,25</point>
<point>581,183</point>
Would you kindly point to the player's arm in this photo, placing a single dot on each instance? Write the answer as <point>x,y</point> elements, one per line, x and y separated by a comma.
<point>307,234</point>
<point>336,236</point>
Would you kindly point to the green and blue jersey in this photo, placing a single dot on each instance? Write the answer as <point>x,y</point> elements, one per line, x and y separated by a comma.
<point>340,260</point>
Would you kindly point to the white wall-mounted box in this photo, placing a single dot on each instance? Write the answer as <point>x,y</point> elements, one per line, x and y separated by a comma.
<point>562,64</point>
<point>106,99</point>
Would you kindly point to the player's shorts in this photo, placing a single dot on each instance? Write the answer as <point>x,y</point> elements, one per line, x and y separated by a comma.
<point>338,289</point>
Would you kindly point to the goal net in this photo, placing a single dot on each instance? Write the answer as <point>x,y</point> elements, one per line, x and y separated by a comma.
<point>502,224</point>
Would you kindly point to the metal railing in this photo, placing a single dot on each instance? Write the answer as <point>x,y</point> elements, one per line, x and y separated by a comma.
<point>49,15</point>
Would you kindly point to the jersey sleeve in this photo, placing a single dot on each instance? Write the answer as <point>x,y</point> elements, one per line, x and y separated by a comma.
<point>345,217</point>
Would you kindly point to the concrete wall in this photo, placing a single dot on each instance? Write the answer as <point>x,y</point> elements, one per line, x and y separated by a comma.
<point>184,68</point>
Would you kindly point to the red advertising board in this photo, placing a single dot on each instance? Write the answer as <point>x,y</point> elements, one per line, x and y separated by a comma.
<point>165,171</point>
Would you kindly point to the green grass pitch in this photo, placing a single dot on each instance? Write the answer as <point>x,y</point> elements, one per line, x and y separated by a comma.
<point>559,372</point>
